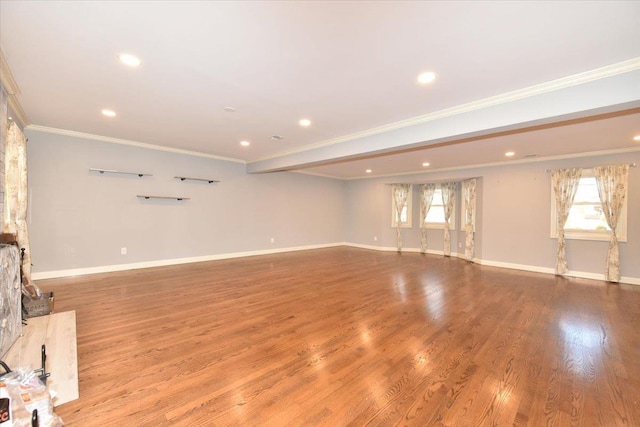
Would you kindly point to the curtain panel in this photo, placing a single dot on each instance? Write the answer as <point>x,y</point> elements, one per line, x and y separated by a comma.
<point>469,194</point>
<point>565,184</point>
<point>426,198</point>
<point>612,184</point>
<point>400,195</point>
<point>15,195</point>
<point>448,199</point>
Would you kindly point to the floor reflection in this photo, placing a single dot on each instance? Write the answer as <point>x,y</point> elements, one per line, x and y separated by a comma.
<point>400,287</point>
<point>581,342</point>
<point>434,300</point>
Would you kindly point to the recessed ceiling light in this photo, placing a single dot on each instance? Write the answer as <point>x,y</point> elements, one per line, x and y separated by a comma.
<point>636,138</point>
<point>245,143</point>
<point>276,137</point>
<point>368,171</point>
<point>509,154</point>
<point>229,109</point>
<point>426,78</point>
<point>425,164</point>
<point>305,122</point>
<point>109,113</point>
<point>130,60</point>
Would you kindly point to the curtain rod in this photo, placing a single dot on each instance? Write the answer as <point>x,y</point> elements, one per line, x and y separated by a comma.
<point>633,165</point>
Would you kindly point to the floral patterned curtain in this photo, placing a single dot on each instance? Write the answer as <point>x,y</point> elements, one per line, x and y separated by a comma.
<point>400,195</point>
<point>426,197</point>
<point>448,198</point>
<point>565,184</point>
<point>15,196</point>
<point>469,194</point>
<point>612,188</point>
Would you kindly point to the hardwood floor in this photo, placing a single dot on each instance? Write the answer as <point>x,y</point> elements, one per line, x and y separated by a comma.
<point>346,336</point>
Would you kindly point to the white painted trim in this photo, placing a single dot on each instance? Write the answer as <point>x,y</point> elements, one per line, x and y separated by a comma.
<point>20,116</point>
<point>549,270</point>
<point>101,138</point>
<point>6,76</point>
<point>166,262</point>
<point>163,263</point>
<point>394,249</point>
<point>523,267</point>
<point>550,86</point>
<point>11,86</point>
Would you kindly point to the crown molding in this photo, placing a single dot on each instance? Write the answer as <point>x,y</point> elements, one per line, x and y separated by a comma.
<point>17,112</point>
<point>148,146</point>
<point>11,86</point>
<point>6,77</point>
<point>550,86</point>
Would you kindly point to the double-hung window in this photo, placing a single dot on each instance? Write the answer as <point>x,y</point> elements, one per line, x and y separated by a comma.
<point>586,220</point>
<point>435,216</point>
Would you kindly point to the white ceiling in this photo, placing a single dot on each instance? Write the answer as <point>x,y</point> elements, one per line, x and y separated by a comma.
<point>347,66</point>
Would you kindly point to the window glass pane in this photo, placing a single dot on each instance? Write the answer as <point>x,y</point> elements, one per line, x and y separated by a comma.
<point>435,214</point>
<point>587,191</point>
<point>586,217</point>
<point>436,211</point>
<point>586,212</point>
<point>403,215</point>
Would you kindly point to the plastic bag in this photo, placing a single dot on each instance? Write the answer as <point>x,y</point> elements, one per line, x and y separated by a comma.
<point>26,393</point>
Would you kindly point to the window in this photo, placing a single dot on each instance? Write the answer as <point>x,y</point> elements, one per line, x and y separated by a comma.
<point>405,215</point>
<point>435,216</point>
<point>586,220</point>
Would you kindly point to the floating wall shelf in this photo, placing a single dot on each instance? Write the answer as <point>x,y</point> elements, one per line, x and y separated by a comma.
<point>186,178</point>
<point>142,196</point>
<point>102,171</point>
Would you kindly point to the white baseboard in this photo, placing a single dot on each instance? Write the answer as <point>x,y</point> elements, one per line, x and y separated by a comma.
<point>549,270</point>
<point>512,266</point>
<point>165,262</point>
<point>394,249</point>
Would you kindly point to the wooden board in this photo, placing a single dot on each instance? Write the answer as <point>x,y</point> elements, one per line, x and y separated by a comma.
<point>58,333</point>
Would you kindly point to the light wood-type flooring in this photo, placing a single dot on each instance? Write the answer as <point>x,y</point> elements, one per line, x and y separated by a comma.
<point>58,333</point>
<point>345,336</point>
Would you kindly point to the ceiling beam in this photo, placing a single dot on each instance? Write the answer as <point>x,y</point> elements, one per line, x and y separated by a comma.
<point>540,105</point>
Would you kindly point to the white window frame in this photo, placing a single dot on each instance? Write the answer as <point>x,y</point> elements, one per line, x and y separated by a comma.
<point>408,204</point>
<point>599,235</point>
<point>452,220</point>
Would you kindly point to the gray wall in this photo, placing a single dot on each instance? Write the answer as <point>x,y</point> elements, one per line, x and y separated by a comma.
<point>81,219</point>
<point>513,218</point>
<point>368,214</point>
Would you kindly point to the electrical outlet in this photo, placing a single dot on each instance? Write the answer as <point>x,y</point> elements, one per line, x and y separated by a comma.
<point>273,240</point>
<point>459,245</point>
<point>123,251</point>
<point>375,238</point>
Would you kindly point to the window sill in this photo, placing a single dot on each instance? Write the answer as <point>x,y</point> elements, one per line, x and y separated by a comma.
<point>434,226</point>
<point>585,235</point>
